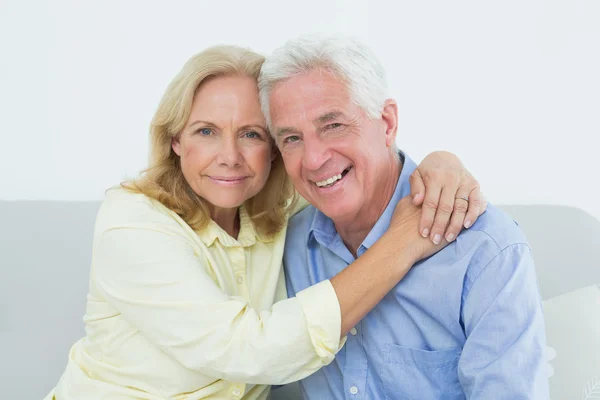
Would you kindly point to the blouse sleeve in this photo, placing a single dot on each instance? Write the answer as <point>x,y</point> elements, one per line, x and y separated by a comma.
<point>158,282</point>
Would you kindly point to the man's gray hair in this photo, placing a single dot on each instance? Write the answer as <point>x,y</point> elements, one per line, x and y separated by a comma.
<point>347,58</point>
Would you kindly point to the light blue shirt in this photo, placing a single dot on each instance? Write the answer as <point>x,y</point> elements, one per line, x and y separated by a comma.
<point>464,323</point>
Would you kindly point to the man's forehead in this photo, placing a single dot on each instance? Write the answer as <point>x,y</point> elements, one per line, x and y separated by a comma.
<point>320,106</point>
<point>317,83</point>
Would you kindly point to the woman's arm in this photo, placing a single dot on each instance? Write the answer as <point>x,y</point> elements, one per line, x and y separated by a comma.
<point>449,194</point>
<point>361,285</point>
<point>156,279</point>
<point>163,288</point>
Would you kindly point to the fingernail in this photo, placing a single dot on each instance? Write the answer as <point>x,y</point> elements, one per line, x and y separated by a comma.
<point>450,237</point>
<point>416,197</point>
<point>425,232</point>
<point>437,238</point>
<point>468,224</point>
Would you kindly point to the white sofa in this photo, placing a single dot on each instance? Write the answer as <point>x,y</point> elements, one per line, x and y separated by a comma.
<point>45,250</point>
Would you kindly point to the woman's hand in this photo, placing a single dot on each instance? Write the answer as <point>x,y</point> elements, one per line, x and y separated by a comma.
<point>449,194</point>
<point>404,227</point>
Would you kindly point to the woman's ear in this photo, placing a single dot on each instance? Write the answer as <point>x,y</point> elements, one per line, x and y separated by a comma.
<point>176,145</point>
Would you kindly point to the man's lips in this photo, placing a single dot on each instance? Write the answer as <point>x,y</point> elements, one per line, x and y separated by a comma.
<point>330,180</point>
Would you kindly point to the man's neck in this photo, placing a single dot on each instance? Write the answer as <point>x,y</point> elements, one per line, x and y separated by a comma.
<point>354,232</point>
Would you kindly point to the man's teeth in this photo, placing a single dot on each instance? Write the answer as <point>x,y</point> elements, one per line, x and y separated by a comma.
<point>329,181</point>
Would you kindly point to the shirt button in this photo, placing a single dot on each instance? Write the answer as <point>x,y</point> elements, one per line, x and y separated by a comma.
<point>237,392</point>
<point>353,331</point>
<point>353,390</point>
<point>240,280</point>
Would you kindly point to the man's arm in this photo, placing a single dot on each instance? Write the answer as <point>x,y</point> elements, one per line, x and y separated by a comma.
<point>503,357</point>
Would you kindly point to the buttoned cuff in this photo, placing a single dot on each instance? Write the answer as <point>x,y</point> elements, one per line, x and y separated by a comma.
<point>323,316</point>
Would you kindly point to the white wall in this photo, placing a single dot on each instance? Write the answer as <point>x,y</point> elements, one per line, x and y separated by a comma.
<point>513,87</point>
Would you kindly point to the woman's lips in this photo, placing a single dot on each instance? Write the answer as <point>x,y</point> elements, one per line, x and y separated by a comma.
<point>228,180</point>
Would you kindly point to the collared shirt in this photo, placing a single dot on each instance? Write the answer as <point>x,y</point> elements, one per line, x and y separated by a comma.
<point>464,323</point>
<point>177,314</point>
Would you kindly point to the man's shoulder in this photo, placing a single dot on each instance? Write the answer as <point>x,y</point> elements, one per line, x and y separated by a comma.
<point>493,234</point>
<point>497,226</point>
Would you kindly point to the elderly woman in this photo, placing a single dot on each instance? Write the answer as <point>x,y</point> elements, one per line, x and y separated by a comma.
<point>187,297</point>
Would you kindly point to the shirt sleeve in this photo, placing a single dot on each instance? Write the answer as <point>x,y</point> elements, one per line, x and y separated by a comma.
<point>503,356</point>
<point>158,282</point>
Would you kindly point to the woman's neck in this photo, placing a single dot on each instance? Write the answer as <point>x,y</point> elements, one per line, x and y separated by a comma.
<point>228,219</point>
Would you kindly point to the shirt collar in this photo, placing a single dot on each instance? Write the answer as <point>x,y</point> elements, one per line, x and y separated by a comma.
<point>322,227</point>
<point>247,236</point>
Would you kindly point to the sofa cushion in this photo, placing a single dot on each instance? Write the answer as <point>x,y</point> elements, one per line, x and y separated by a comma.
<point>573,338</point>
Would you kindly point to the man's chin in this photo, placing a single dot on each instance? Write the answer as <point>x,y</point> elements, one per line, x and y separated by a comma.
<point>336,207</point>
<point>336,212</point>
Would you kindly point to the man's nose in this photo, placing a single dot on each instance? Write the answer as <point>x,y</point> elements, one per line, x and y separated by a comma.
<point>315,153</point>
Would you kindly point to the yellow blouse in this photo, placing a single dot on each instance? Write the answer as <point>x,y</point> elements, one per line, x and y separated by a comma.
<point>178,314</point>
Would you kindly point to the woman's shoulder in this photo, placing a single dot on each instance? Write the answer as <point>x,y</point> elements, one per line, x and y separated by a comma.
<point>121,200</point>
<point>123,207</point>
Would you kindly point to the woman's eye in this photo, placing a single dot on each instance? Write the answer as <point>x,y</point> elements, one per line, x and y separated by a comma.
<point>205,131</point>
<point>252,135</point>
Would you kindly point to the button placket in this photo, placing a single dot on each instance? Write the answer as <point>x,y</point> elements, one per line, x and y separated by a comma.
<point>238,261</point>
<point>355,371</point>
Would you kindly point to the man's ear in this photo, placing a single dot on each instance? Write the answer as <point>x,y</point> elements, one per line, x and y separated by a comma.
<point>175,145</point>
<point>390,118</point>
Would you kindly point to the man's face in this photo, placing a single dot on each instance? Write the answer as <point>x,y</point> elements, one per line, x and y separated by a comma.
<point>336,156</point>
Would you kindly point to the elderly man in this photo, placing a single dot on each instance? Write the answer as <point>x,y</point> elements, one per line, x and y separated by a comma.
<point>464,323</point>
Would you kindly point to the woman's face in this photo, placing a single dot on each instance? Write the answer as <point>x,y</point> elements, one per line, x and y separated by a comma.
<point>225,149</point>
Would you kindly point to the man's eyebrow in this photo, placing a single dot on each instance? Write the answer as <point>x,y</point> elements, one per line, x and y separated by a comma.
<point>330,116</point>
<point>285,131</point>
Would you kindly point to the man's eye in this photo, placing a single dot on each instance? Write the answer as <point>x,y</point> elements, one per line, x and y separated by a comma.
<point>291,139</point>
<point>333,126</point>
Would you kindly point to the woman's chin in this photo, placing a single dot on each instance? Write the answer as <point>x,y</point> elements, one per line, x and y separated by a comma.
<point>226,202</point>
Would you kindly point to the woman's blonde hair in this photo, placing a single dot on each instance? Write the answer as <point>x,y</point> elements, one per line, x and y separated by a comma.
<point>163,180</point>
